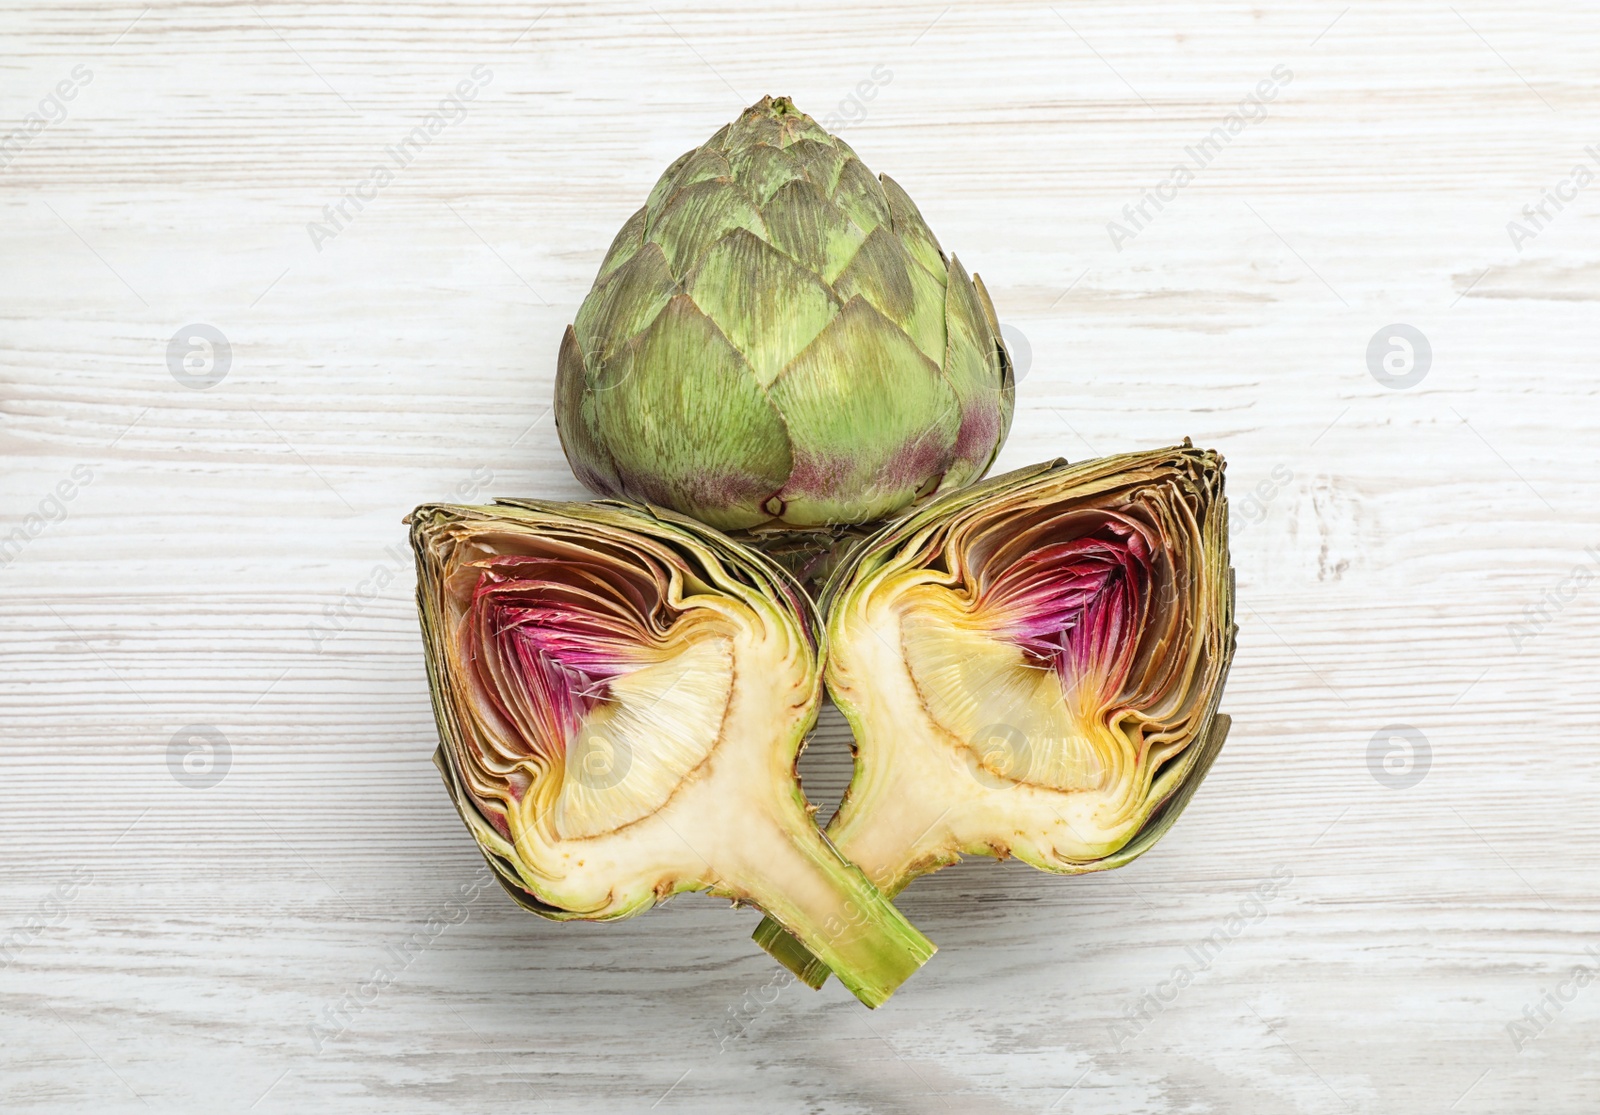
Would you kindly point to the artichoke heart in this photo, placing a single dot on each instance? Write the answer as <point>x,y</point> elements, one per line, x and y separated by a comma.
<point>621,694</point>
<point>1032,668</point>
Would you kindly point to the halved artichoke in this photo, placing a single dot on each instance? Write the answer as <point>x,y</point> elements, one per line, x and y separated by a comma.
<point>621,694</point>
<point>1032,668</point>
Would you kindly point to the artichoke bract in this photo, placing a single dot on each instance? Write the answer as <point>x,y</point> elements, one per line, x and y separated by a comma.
<point>1032,668</point>
<point>621,694</point>
<point>777,337</point>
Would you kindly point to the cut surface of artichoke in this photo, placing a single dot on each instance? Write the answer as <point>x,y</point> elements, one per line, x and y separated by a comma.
<point>1032,669</point>
<point>621,694</point>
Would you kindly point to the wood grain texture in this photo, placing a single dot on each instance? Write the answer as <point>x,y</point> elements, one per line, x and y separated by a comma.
<point>228,564</point>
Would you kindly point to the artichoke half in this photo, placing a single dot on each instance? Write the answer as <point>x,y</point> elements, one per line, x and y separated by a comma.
<point>621,694</point>
<point>777,338</point>
<point>1032,668</point>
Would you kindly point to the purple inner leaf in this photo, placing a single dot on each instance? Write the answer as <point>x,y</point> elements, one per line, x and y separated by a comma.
<point>551,634</point>
<point>1075,606</point>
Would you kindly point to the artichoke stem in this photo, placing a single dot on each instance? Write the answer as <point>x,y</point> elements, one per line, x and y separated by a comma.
<point>783,947</point>
<point>825,913</point>
<point>859,833</point>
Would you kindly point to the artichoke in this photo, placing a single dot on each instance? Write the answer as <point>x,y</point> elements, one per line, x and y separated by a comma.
<point>1032,668</point>
<point>777,338</point>
<point>621,694</point>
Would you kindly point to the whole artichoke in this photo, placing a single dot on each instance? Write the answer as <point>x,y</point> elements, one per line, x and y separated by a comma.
<point>777,338</point>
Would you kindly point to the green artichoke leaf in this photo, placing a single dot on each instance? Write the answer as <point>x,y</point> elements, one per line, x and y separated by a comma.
<point>808,228</point>
<point>823,159</point>
<point>697,217</point>
<point>591,461</point>
<point>624,304</point>
<point>629,239</point>
<point>768,306</point>
<point>884,273</point>
<point>913,230</point>
<point>859,194</point>
<point>715,454</point>
<point>764,170</point>
<point>868,415</point>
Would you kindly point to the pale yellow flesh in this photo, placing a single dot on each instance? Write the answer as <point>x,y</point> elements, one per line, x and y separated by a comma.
<point>659,722</point>
<point>958,802</point>
<point>709,807</point>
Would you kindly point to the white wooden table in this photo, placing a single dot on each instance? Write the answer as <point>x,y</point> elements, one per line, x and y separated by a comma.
<point>228,565</point>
